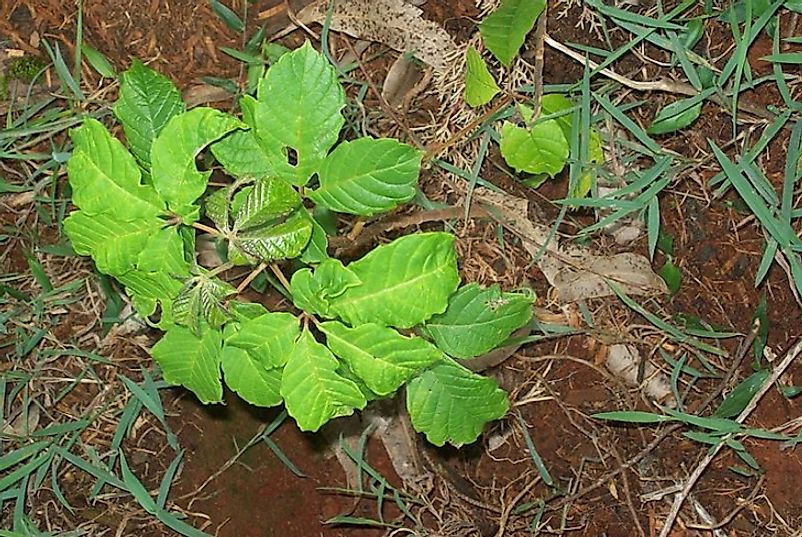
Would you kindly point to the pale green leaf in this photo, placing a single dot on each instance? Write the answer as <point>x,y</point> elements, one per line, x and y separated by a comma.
<point>478,320</point>
<point>452,404</point>
<point>504,30</point>
<point>368,176</point>
<point>114,244</point>
<point>404,282</point>
<point>313,391</point>
<point>175,175</point>
<point>147,101</point>
<point>241,155</point>
<point>480,86</point>
<point>554,103</point>
<point>345,371</point>
<point>149,289</point>
<point>281,241</point>
<point>247,376</point>
<point>269,199</point>
<point>269,338</point>
<point>299,103</point>
<point>316,250</point>
<point>675,116</point>
<point>243,311</point>
<point>380,356</point>
<point>541,149</point>
<point>312,291</point>
<point>201,302</point>
<point>104,176</point>
<point>164,252</point>
<point>334,279</point>
<point>192,361</point>
<point>306,295</point>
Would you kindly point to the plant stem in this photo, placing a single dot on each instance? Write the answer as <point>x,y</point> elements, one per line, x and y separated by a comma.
<point>207,229</point>
<point>280,276</point>
<point>252,276</point>
<point>217,270</point>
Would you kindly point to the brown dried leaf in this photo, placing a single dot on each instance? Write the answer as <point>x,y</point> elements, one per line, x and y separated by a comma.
<point>401,81</point>
<point>395,23</point>
<point>576,273</point>
<point>623,361</point>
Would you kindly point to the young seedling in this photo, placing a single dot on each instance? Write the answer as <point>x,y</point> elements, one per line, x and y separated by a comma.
<point>395,318</point>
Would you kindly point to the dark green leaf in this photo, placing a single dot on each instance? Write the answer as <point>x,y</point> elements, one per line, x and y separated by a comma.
<point>738,398</point>
<point>674,117</point>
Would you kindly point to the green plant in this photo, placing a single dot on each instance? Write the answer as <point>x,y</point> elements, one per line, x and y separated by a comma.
<point>139,211</point>
<point>25,68</point>
<point>538,145</point>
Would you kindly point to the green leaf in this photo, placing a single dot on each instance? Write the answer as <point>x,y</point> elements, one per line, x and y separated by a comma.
<point>192,361</point>
<point>672,275</point>
<point>298,109</point>
<point>554,103</point>
<point>478,320</point>
<point>147,101</point>
<point>313,391</point>
<point>104,176</point>
<point>282,241</point>
<point>793,5</point>
<point>480,86</point>
<point>504,30</point>
<point>306,293</point>
<point>220,209</point>
<point>740,396</point>
<point>241,155</point>
<point>243,311</point>
<point>380,356</point>
<point>316,250</point>
<point>113,243</point>
<point>345,371</point>
<point>164,252</point>
<point>550,104</point>
<point>675,116</point>
<point>268,200</point>
<point>312,291</point>
<point>541,149</point>
<point>633,416</point>
<point>270,338</point>
<point>200,301</point>
<point>452,404</point>
<point>148,289</point>
<point>247,376</point>
<point>174,151</point>
<point>794,58</point>
<point>368,176</point>
<point>98,61</point>
<point>228,16</point>
<point>404,282</point>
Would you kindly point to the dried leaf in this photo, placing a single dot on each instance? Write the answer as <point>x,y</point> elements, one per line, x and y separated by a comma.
<point>401,81</point>
<point>395,23</point>
<point>576,273</point>
<point>623,360</point>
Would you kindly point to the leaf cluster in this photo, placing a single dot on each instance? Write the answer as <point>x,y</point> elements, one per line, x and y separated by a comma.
<point>541,145</point>
<point>396,317</point>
